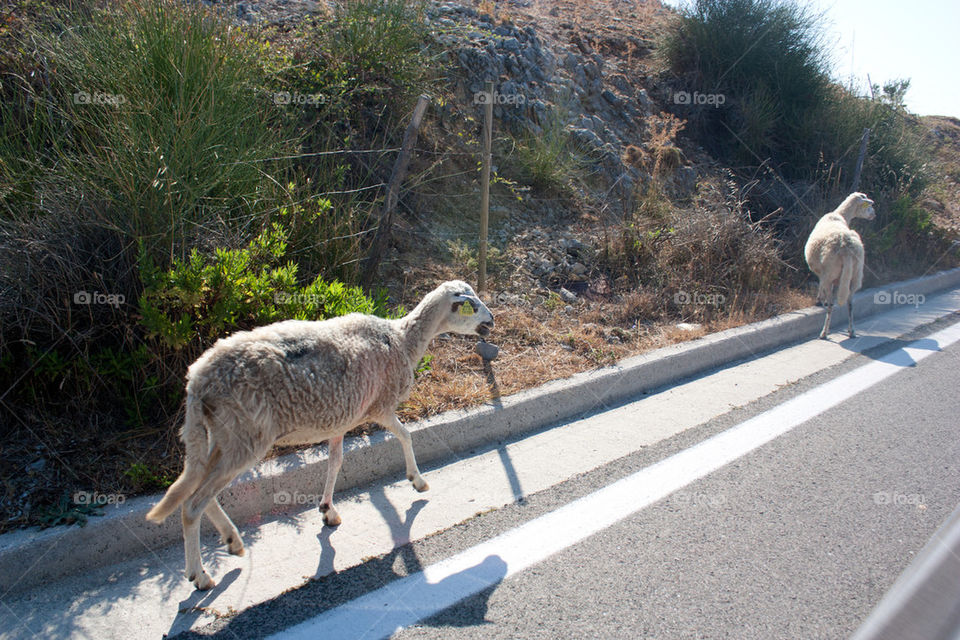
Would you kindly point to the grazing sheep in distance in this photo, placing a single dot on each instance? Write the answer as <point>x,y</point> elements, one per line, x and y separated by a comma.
<point>834,252</point>
<point>300,382</point>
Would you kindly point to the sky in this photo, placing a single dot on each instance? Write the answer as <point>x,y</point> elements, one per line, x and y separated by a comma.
<point>891,39</point>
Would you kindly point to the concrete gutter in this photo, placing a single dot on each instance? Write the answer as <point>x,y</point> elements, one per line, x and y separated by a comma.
<point>34,557</point>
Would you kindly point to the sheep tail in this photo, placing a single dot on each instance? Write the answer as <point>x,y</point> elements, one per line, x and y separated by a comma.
<point>194,437</point>
<point>846,277</point>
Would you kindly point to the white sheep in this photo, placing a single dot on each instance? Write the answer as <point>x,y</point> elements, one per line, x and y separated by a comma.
<point>834,252</point>
<point>300,382</point>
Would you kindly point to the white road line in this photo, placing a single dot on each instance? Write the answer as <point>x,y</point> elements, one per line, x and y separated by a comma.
<point>408,600</point>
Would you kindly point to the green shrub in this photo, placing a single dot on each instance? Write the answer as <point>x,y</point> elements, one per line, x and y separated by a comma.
<point>896,158</point>
<point>206,297</point>
<point>904,241</point>
<point>768,59</point>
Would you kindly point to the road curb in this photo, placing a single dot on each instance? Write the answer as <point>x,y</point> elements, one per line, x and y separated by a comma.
<point>33,557</point>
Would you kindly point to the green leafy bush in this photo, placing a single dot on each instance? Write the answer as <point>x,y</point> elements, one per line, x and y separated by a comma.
<point>205,297</point>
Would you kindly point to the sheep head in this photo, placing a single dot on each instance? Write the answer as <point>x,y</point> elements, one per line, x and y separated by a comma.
<point>466,313</point>
<point>858,205</point>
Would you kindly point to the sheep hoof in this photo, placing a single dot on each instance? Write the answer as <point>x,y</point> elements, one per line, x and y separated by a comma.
<point>423,486</point>
<point>203,582</point>
<point>331,518</point>
<point>235,546</point>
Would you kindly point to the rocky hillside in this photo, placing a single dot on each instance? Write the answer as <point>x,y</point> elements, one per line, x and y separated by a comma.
<point>942,199</point>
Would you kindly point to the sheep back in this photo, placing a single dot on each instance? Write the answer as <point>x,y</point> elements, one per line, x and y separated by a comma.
<point>319,378</point>
<point>831,237</point>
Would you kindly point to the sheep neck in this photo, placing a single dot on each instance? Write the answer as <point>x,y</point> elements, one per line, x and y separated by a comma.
<point>419,327</point>
<point>848,211</point>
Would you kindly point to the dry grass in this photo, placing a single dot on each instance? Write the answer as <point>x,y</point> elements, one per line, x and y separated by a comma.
<point>538,345</point>
<point>662,130</point>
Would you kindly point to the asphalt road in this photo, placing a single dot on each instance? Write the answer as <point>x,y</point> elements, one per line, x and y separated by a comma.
<point>798,539</point>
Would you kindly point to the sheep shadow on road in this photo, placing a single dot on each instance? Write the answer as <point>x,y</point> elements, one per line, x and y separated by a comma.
<point>193,606</point>
<point>322,595</point>
<point>886,350</point>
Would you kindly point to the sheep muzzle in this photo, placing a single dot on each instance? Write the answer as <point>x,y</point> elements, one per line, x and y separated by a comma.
<point>484,328</point>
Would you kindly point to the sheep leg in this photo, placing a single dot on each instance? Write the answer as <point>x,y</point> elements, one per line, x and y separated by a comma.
<point>191,549</point>
<point>214,482</point>
<point>823,292</point>
<point>413,472</point>
<point>228,531</point>
<point>850,331</point>
<point>330,516</point>
<point>826,322</point>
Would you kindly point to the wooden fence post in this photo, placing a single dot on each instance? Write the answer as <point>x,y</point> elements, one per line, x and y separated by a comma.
<point>863,152</point>
<point>485,188</point>
<point>393,192</point>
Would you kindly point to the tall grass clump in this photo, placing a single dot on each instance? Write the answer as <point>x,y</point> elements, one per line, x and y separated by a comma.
<point>361,70</point>
<point>346,82</point>
<point>550,159</point>
<point>148,121</point>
